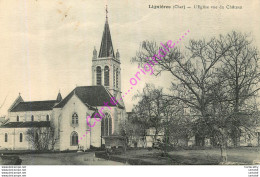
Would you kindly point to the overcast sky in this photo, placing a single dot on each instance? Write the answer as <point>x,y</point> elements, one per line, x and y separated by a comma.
<point>47,45</point>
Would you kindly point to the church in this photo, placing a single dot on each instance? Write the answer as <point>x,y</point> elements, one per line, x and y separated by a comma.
<point>68,115</point>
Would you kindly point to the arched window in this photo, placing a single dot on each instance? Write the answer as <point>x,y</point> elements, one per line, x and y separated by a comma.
<point>17,118</point>
<point>109,125</point>
<point>106,75</point>
<point>32,118</point>
<point>36,137</point>
<point>75,118</point>
<point>6,137</point>
<point>114,77</point>
<point>106,125</point>
<point>88,127</point>
<point>117,78</point>
<point>21,137</point>
<point>74,139</point>
<point>99,75</point>
<point>103,127</point>
<point>47,118</point>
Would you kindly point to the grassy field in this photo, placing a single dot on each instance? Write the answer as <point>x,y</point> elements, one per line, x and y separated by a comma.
<point>236,156</point>
<point>87,158</point>
<point>74,158</point>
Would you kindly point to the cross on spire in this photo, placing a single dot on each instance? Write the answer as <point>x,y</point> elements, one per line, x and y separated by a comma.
<point>106,11</point>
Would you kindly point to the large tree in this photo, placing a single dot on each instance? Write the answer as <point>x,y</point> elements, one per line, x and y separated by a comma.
<point>196,73</point>
<point>241,76</point>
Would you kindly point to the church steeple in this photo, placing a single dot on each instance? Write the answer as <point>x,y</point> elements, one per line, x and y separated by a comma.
<point>106,48</point>
<point>59,97</point>
<point>106,69</point>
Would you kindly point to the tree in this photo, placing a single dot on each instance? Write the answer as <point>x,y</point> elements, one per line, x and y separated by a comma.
<point>241,73</point>
<point>175,125</point>
<point>42,138</point>
<point>149,111</point>
<point>156,110</point>
<point>196,72</point>
<point>3,103</point>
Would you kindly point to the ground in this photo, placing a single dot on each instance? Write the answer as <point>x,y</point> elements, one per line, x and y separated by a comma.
<point>65,159</point>
<point>241,156</point>
<point>74,158</point>
<point>189,157</point>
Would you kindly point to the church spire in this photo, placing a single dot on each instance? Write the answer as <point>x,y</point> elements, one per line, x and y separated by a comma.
<point>59,97</point>
<point>106,48</point>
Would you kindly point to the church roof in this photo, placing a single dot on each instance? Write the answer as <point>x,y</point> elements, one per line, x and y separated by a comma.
<point>34,106</point>
<point>106,48</point>
<point>26,124</point>
<point>16,102</point>
<point>92,96</point>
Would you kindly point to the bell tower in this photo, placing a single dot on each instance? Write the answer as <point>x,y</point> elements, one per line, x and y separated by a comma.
<point>106,69</point>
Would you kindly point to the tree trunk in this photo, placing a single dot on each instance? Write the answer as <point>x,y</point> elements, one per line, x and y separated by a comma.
<point>223,145</point>
<point>223,150</point>
<point>144,140</point>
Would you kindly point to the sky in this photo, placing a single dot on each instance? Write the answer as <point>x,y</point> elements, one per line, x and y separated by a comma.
<point>47,45</point>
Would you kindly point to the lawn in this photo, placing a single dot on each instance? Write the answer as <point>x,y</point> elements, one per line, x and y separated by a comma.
<point>240,156</point>
<point>72,158</point>
<point>236,156</point>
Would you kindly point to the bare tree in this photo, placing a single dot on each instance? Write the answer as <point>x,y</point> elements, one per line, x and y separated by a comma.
<point>151,108</point>
<point>3,102</point>
<point>195,75</point>
<point>241,73</point>
<point>176,125</point>
<point>42,138</point>
<point>139,122</point>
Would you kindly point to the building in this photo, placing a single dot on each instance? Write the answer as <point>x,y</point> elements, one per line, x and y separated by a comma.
<point>68,116</point>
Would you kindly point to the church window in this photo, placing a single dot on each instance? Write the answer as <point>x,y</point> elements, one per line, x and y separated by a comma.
<point>114,77</point>
<point>17,118</point>
<point>106,75</point>
<point>88,127</point>
<point>21,137</point>
<point>109,125</point>
<point>117,78</point>
<point>106,125</point>
<point>74,139</point>
<point>75,118</point>
<point>47,118</point>
<point>6,137</point>
<point>99,75</point>
<point>32,118</point>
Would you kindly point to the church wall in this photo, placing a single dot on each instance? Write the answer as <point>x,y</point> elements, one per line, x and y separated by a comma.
<point>26,115</point>
<point>66,127</point>
<point>96,130</point>
<point>95,133</point>
<point>56,114</point>
<point>13,142</point>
